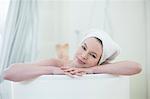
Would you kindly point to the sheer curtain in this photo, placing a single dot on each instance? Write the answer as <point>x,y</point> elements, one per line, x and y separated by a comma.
<point>19,37</point>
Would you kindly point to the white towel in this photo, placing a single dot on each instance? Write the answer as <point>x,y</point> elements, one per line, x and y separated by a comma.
<point>110,48</point>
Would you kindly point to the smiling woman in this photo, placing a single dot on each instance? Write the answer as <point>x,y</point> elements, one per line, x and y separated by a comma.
<point>89,53</point>
<point>91,57</point>
<point>62,21</point>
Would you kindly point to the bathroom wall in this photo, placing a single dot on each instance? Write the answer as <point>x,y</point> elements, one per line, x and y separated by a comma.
<point>125,20</point>
<point>129,25</point>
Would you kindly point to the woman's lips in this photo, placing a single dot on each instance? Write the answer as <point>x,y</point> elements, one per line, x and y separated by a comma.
<point>80,61</point>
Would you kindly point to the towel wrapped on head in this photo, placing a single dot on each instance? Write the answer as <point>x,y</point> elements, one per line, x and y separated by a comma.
<point>110,48</point>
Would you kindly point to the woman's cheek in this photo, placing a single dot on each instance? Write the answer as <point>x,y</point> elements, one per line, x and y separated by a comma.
<point>93,62</point>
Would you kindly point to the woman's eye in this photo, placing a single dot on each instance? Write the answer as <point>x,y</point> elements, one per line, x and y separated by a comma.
<point>83,48</point>
<point>93,56</point>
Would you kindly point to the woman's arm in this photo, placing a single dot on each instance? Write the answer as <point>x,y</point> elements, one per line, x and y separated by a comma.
<point>118,68</point>
<point>22,71</point>
<point>49,62</point>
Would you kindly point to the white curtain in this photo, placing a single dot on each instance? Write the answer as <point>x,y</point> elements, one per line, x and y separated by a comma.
<point>19,42</point>
<point>19,38</point>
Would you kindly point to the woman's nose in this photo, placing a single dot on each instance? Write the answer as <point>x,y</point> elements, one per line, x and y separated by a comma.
<point>84,55</point>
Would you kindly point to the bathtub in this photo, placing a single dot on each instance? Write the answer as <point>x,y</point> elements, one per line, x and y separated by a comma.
<point>94,86</point>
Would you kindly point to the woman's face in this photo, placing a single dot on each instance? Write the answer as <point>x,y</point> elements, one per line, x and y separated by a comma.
<point>88,53</point>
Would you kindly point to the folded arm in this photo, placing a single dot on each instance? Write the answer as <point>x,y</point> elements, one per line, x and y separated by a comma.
<point>22,71</point>
<point>118,68</point>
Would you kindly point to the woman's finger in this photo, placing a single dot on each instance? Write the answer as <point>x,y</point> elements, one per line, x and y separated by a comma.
<point>78,74</point>
<point>75,71</point>
<point>69,69</point>
<point>69,74</point>
<point>84,73</point>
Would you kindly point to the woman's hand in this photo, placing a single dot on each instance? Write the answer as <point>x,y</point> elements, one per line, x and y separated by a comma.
<point>57,71</point>
<point>76,71</point>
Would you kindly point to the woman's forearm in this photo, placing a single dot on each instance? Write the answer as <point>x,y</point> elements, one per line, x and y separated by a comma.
<point>20,72</point>
<point>118,68</point>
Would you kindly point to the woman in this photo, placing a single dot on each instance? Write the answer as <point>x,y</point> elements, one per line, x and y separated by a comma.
<point>93,56</point>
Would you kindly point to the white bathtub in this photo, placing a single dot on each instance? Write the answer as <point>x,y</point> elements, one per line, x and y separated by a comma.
<point>95,86</point>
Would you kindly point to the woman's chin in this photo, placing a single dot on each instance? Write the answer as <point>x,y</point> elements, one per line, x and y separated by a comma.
<point>78,65</point>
